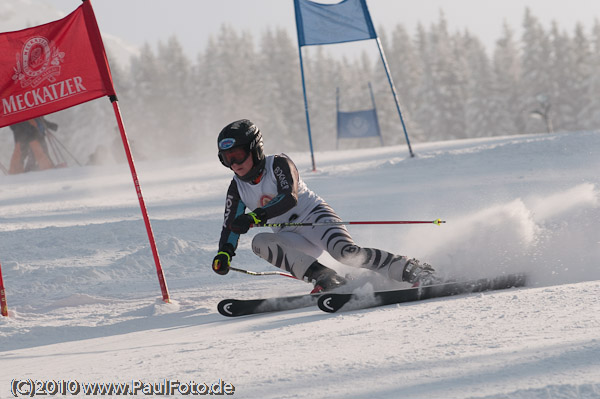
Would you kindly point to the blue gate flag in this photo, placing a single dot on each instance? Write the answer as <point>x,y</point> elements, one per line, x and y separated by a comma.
<point>357,124</point>
<point>346,21</point>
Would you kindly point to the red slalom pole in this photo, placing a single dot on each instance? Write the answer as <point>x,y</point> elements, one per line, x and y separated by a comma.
<point>436,222</point>
<point>159,271</point>
<point>3,303</point>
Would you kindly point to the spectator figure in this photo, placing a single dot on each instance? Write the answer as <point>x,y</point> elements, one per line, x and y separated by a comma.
<point>31,149</point>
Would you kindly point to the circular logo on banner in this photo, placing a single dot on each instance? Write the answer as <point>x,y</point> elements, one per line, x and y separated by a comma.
<point>39,60</point>
<point>36,56</point>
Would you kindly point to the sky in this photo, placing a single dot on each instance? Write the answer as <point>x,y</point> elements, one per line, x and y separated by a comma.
<point>193,21</point>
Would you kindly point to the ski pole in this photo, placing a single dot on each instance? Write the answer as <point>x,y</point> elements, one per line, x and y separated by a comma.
<point>64,148</point>
<point>291,224</point>
<point>273,273</point>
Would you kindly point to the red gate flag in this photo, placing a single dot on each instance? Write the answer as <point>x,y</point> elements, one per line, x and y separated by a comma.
<point>58,65</point>
<point>51,67</point>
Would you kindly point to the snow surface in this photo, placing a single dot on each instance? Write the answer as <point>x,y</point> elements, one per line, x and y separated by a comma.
<point>85,302</point>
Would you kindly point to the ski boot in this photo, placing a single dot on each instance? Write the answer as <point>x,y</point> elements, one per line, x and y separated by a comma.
<point>323,278</point>
<point>419,274</point>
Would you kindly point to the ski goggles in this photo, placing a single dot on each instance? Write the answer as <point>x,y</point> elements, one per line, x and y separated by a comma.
<point>236,155</point>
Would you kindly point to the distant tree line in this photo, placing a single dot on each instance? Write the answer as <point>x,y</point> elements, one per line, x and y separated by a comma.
<point>449,87</point>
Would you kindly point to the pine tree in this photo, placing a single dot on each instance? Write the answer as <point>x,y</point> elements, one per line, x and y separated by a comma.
<point>406,69</point>
<point>281,106</point>
<point>322,76</point>
<point>228,79</point>
<point>507,72</point>
<point>563,70</point>
<point>582,80</point>
<point>591,112</point>
<point>480,104</point>
<point>442,90</point>
<point>144,107</point>
<point>536,77</point>
<point>174,73</point>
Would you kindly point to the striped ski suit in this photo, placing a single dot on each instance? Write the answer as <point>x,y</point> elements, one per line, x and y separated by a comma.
<point>286,198</point>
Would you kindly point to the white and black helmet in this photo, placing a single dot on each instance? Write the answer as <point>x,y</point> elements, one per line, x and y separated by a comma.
<point>245,134</point>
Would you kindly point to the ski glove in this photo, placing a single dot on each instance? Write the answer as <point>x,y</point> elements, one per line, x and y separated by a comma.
<point>242,223</point>
<point>221,263</point>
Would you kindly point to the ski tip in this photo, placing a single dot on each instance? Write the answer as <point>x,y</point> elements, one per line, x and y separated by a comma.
<point>333,302</point>
<point>325,304</point>
<point>224,307</point>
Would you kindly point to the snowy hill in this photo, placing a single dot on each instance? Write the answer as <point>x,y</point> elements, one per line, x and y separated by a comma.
<point>85,303</point>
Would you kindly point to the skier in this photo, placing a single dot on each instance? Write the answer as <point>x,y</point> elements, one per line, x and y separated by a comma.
<point>271,186</point>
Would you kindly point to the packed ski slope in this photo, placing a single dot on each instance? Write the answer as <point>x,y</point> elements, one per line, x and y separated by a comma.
<point>85,302</point>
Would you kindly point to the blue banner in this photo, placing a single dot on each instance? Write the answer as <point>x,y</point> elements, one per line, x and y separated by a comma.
<point>357,124</point>
<point>346,21</point>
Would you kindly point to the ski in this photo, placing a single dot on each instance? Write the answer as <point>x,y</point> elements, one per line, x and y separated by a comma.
<point>333,302</point>
<point>243,307</point>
